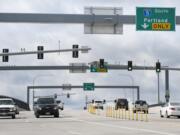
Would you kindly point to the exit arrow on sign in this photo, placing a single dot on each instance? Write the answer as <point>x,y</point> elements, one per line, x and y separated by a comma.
<point>145,26</point>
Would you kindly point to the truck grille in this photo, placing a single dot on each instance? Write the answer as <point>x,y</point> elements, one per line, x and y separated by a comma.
<point>4,110</point>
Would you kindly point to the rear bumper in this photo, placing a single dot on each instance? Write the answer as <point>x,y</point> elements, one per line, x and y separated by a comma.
<point>98,107</point>
<point>121,107</point>
<point>174,113</point>
<point>140,109</point>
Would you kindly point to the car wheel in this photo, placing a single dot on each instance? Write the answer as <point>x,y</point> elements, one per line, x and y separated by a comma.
<point>13,116</point>
<point>56,115</point>
<point>145,112</point>
<point>178,117</point>
<point>37,115</point>
<point>161,114</point>
<point>167,116</point>
<point>116,107</point>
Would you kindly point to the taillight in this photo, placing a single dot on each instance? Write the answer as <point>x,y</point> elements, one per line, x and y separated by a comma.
<point>173,109</point>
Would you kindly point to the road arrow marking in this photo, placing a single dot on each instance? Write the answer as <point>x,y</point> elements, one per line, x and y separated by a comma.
<point>145,26</point>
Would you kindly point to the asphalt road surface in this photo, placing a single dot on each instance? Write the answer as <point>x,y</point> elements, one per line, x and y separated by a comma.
<point>80,122</point>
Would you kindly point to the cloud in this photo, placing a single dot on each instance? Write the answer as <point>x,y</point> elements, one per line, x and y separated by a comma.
<point>144,48</point>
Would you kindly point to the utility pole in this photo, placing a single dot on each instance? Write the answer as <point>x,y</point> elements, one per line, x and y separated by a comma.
<point>158,88</point>
<point>86,101</point>
<point>167,93</point>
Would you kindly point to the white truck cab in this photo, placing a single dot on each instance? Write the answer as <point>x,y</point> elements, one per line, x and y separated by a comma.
<point>98,105</point>
<point>7,107</point>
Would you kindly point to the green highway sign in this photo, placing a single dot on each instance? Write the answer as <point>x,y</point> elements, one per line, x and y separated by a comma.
<point>88,86</point>
<point>155,19</point>
<point>94,68</point>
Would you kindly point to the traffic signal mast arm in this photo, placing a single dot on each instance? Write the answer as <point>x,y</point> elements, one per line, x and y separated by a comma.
<point>66,67</point>
<point>45,51</point>
<point>68,18</point>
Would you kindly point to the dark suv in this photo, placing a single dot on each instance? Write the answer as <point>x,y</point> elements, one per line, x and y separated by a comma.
<point>46,106</point>
<point>121,104</point>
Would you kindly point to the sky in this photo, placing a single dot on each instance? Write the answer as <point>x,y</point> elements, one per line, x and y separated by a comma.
<point>143,48</point>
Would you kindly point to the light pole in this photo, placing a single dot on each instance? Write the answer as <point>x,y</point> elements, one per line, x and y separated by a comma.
<point>158,88</point>
<point>132,81</point>
<point>34,79</point>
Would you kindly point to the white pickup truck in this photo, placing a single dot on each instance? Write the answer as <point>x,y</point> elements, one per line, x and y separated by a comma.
<point>7,107</point>
<point>98,105</point>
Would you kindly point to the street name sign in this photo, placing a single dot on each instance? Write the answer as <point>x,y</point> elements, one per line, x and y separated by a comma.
<point>155,19</point>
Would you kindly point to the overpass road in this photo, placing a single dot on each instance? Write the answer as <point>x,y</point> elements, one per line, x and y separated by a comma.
<point>80,122</point>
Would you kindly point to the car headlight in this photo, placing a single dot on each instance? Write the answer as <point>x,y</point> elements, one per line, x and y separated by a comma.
<point>39,108</point>
<point>12,109</point>
<point>56,108</point>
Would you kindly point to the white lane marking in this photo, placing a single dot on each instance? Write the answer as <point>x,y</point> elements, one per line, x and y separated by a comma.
<point>74,133</point>
<point>124,127</point>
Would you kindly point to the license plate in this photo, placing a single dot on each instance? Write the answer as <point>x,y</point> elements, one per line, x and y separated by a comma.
<point>47,113</point>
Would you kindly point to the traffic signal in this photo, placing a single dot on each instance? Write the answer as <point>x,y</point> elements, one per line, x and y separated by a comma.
<point>101,63</point>
<point>130,66</point>
<point>55,95</point>
<point>158,67</point>
<point>40,55</point>
<point>68,95</point>
<point>5,58</point>
<point>75,54</point>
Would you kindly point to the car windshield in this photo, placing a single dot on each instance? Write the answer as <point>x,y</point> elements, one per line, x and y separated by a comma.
<point>45,101</point>
<point>98,101</point>
<point>175,104</point>
<point>122,100</point>
<point>6,102</point>
<point>141,102</point>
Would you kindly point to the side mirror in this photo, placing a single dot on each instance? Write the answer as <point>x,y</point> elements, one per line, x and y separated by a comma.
<point>35,103</point>
<point>58,101</point>
<point>115,101</point>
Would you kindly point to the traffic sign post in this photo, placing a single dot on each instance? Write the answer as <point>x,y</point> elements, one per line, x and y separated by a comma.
<point>155,19</point>
<point>88,86</point>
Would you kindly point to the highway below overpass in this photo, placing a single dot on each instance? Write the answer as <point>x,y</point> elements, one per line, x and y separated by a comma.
<point>81,122</point>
